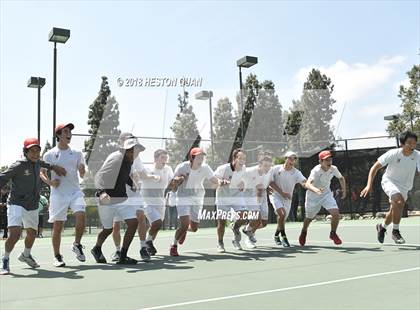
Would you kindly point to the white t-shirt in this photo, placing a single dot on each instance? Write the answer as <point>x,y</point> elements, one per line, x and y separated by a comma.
<point>70,160</point>
<point>136,167</point>
<point>153,192</point>
<point>286,179</point>
<point>252,179</point>
<point>191,191</point>
<point>322,179</point>
<point>229,194</point>
<point>400,169</point>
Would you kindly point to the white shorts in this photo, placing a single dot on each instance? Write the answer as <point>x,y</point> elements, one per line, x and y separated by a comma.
<point>16,215</point>
<point>192,211</point>
<point>136,202</point>
<point>391,189</point>
<point>313,206</point>
<point>261,207</point>
<point>108,213</point>
<point>154,213</point>
<point>60,204</point>
<point>281,203</point>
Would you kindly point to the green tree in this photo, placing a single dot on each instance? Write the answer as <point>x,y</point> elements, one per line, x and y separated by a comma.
<point>103,119</point>
<point>47,147</point>
<point>225,124</point>
<point>410,103</point>
<point>315,111</point>
<point>266,125</point>
<point>185,132</point>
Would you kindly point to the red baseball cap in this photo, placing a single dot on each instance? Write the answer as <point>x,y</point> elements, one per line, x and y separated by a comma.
<point>196,151</point>
<point>62,126</point>
<point>30,142</point>
<point>324,155</point>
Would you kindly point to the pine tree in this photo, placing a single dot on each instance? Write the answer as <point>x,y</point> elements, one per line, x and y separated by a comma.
<point>103,119</point>
<point>410,104</point>
<point>185,132</point>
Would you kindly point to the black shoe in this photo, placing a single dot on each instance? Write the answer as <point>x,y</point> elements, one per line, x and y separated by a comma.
<point>97,254</point>
<point>127,261</point>
<point>285,242</point>
<point>151,248</point>
<point>396,236</point>
<point>144,254</point>
<point>277,240</point>
<point>381,233</point>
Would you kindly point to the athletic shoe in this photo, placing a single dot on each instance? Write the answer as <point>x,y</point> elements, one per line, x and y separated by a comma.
<point>151,248</point>
<point>78,250</point>
<point>181,241</point>
<point>334,237</point>
<point>116,256</point>
<point>221,247</point>
<point>40,236</point>
<point>173,250</point>
<point>249,244</point>
<point>236,245</point>
<point>250,235</point>
<point>277,240</point>
<point>285,242</point>
<point>302,238</point>
<point>97,254</point>
<point>4,266</point>
<point>396,236</point>
<point>29,260</point>
<point>235,231</point>
<point>144,254</point>
<point>58,261</point>
<point>381,232</point>
<point>127,261</point>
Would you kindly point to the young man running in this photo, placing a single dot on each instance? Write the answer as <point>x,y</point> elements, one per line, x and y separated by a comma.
<point>22,206</point>
<point>66,192</point>
<point>255,181</point>
<point>285,178</point>
<point>188,179</point>
<point>153,194</point>
<point>229,200</point>
<point>110,181</point>
<point>397,181</point>
<point>320,195</point>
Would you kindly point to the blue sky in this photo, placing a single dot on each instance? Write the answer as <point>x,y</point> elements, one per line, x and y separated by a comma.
<point>365,47</point>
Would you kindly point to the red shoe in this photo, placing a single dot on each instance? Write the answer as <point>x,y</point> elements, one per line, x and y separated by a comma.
<point>302,238</point>
<point>173,250</point>
<point>181,241</point>
<point>334,237</point>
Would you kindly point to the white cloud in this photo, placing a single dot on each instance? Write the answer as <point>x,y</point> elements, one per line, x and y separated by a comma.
<point>353,81</point>
<point>405,83</point>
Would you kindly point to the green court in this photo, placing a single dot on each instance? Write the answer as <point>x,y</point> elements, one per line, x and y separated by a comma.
<point>359,274</point>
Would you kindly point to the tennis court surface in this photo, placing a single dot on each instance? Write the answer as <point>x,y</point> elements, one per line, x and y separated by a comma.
<point>359,274</point>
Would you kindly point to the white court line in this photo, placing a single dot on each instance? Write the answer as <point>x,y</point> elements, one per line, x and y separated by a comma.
<point>281,289</point>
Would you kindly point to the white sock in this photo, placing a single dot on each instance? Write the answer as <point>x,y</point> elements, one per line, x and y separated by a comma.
<point>149,238</point>
<point>118,248</point>
<point>142,243</point>
<point>27,252</point>
<point>6,254</point>
<point>175,242</point>
<point>396,226</point>
<point>384,225</point>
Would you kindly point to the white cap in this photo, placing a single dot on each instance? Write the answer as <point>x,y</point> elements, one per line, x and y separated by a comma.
<point>290,154</point>
<point>132,142</point>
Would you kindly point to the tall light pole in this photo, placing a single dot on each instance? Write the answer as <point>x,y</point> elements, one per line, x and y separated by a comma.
<point>204,95</point>
<point>244,62</point>
<point>56,35</point>
<point>37,82</point>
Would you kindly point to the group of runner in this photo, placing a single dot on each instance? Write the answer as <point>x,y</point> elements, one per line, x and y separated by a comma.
<point>129,192</point>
